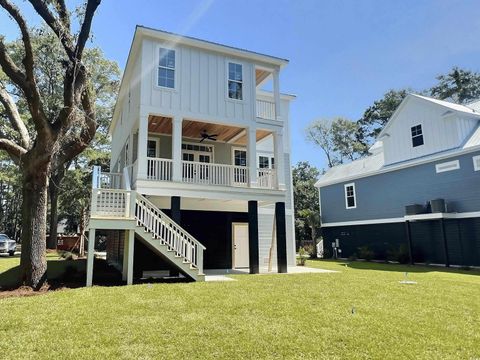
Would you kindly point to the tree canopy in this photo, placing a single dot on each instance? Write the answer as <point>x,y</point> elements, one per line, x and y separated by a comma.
<point>56,130</point>
<point>305,197</point>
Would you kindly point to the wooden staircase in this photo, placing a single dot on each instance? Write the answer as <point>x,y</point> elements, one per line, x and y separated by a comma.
<point>168,239</point>
<point>113,201</point>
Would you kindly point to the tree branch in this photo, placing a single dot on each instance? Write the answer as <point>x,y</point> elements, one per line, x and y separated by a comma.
<point>61,31</point>
<point>63,13</point>
<point>14,150</point>
<point>22,24</point>
<point>14,117</point>
<point>85,30</point>
<point>11,69</point>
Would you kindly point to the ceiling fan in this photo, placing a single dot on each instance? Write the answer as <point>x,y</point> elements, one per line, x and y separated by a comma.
<point>207,136</point>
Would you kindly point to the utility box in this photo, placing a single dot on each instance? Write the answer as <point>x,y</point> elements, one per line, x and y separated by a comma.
<point>414,209</point>
<point>438,206</point>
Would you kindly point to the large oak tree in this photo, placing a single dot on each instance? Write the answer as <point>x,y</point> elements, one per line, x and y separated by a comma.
<point>55,138</point>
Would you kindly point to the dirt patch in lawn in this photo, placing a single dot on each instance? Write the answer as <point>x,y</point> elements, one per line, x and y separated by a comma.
<point>66,276</point>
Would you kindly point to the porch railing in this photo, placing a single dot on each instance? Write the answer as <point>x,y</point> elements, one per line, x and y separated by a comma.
<point>266,178</point>
<point>214,174</point>
<point>266,109</point>
<point>159,169</point>
<point>111,203</point>
<point>110,180</point>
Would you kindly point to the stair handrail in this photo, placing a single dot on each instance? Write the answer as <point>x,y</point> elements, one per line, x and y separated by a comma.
<point>181,248</point>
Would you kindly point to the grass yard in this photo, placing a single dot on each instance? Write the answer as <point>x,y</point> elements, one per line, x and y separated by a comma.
<point>256,317</point>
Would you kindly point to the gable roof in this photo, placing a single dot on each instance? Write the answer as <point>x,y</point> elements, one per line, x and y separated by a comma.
<point>374,164</point>
<point>463,109</point>
<point>210,45</point>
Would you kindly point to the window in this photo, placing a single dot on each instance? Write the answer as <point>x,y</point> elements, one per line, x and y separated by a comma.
<point>476,163</point>
<point>166,68</point>
<point>195,147</point>
<point>263,162</point>
<point>417,135</point>
<point>350,199</point>
<point>240,157</point>
<point>447,166</point>
<point>273,162</point>
<point>152,148</point>
<point>235,81</point>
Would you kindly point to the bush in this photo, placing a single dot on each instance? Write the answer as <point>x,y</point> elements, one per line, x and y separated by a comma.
<point>311,251</point>
<point>302,256</point>
<point>400,254</point>
<point>352,257</point>
<point>364,252</point>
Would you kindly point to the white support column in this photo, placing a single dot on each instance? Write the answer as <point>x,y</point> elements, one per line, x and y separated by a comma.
<point>276,93</point>
<point>91,251</point>
<point>279,158</point>
<point>131,243</point>
<point>142,147</point>
<point>252,155</point>
<point>177,148</point>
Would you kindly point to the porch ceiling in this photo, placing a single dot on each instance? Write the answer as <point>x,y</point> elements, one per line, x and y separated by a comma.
<point>260,75</point>
<point>192,129</point>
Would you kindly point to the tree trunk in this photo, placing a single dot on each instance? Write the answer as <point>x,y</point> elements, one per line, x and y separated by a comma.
<point>33,262</point>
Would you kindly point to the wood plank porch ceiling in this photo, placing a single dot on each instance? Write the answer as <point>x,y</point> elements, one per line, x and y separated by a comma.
<point>192,129</point>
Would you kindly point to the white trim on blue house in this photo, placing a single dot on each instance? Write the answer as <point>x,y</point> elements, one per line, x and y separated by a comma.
<point>417,217</point>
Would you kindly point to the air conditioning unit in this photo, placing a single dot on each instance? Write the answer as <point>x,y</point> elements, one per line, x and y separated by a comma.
<point>438,206</point>
<point>414,209</point>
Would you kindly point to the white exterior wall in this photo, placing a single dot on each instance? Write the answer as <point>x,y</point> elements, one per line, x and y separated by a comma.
<point>128,114</point>
<point>200,85</point>
<point>440,132</point>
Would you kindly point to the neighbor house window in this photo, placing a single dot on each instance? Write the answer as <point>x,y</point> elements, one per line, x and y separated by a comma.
<point>417,135</point>
<point>235,81</point>
<point>166,68</point>
<point>476,163</point>
<point>350,199</point>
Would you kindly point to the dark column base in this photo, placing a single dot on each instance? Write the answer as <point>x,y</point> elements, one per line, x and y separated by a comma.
<point>445,244</point>
<point>253,237</point>
<point>281,237</point>
<point>176,216</point>
<point>409,240</point>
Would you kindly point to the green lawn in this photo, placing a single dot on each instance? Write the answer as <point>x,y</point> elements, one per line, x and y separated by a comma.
<point>265,316</point>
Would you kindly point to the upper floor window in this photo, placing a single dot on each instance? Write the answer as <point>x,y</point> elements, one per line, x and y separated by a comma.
<point>417,135</point>
<point>166,68</point>
<point>235,81</point>
<point>263,162</point>
<point>350,197</point>
<point>266,162</point>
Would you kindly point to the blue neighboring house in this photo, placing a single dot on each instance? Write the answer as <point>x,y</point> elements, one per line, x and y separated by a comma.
<point>419,190</point>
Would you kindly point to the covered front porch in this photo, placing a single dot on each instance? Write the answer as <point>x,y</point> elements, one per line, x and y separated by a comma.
<point>178,150</point>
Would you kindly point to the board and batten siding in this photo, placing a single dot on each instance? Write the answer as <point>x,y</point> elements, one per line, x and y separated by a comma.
<point>385,195</point>
<point>128,116</point>
<point>200,84</point>
<point>441,131</point>
<point>265,233</point>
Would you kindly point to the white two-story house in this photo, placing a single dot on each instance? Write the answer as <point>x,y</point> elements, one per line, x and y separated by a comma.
<point>200,168</point>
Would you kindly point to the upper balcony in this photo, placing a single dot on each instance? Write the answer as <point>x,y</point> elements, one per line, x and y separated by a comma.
<point>189,154</point>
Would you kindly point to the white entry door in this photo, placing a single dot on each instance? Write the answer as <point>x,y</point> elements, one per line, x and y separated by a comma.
<point>240,246</point>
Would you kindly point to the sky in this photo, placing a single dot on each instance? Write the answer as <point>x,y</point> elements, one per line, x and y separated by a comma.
<point>343,54</point>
